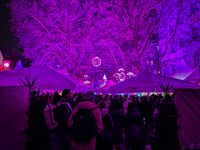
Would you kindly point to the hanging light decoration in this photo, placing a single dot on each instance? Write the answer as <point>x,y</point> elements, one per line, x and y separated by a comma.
<point>121,70</point>
<point>85,76</point>
<point>96,61</point>
<point>87,82</point>
<point>122,76</point>
<point>104,77</point>
<point>130,74</point>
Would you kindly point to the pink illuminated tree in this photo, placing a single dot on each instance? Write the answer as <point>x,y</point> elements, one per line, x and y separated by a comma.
<point>130,26</point>
<point>55,33</point>
<point>65,35</point>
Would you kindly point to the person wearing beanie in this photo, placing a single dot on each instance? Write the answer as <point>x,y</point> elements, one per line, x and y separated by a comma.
<point>87,103</point>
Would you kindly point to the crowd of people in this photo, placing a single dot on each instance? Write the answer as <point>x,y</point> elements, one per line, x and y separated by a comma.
<point>85,121</point>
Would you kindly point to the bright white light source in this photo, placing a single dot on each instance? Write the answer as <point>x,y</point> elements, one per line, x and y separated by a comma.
<point>130,74</point>
<point>87,82</point>
<point>104,77</point>
<point>6,65</point>
<point>121,69</point>
<point>122,76</point>
<point>86,76</point>
<point>96,61</point>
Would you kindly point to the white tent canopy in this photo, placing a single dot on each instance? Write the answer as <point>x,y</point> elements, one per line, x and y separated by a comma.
<point>148,82</point>
<point>47,78</point>
<point>194,77</point>
<point>106,87</point>
<point>183,70</point>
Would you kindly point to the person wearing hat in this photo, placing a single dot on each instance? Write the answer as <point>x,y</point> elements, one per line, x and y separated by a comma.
<point>87,103</point>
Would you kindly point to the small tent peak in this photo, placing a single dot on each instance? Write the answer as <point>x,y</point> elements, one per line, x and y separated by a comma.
<point>19,65</point>
<point>104,77</point>
<point>1,59</point>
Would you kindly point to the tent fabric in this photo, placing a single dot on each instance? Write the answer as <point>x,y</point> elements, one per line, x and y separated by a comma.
<point>148,82</point>
<point>19,65</point>
<point>107,85</point>
<point>194,77</point>
<point>1,59</point>
<point>105,88</point>
<point>14,102</point>
<point>47,78</point>
<point>183,71</point>
<point>188,104</point>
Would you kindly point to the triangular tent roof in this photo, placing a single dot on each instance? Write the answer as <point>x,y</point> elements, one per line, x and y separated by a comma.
<point>47,78</point>
<point>19,65</point>
<point>1,59</point>
<point>183,71</point>
<point>194,77</point>
<point>148,82</point>
<point>108,85</point>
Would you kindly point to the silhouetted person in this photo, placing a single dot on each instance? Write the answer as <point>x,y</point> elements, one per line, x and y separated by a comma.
<point>134,129</point>
<point>118,119</point>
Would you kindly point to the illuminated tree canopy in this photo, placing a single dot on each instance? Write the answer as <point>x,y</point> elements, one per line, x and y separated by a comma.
<point>68,34</point>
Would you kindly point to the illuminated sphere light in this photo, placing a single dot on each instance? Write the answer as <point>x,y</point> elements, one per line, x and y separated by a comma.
<point>6,65</point>
<point>122,76</point>
<point>117,75</point>
<point>96,61</point>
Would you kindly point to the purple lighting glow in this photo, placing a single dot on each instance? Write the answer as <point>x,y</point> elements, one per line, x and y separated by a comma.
<point>6,65</point>
<point>69,35</point>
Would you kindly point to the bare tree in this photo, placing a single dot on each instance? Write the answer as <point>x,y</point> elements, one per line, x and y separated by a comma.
<point>55,33</point>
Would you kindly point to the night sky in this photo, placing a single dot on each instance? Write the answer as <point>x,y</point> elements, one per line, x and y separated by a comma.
<point>8,43</point>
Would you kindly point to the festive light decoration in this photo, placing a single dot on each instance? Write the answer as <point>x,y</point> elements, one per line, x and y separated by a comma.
<point>50,37</point>
<point>121,70</point>
<point>96,61</point>
<point>130,74</point>
<point>6,64</point>
<point>122,76</point>
<point>85,76</point>
<point>104,77</point>
<point>87,82</point>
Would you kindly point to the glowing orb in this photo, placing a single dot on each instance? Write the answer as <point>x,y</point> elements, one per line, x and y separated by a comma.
<point>122,76</point>
<point>6,65</point>
<point>96,61</point>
